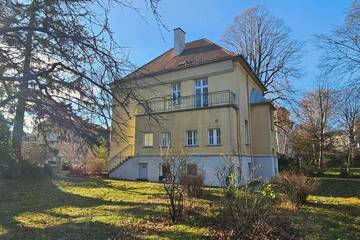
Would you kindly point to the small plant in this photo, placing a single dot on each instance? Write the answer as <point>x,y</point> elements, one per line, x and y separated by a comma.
<point>295,186</point>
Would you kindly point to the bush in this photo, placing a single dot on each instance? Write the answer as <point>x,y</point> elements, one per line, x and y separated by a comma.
<point>295,186</point>
<point>249,215</point>
<point>193,184</point>
<point>93,165</point>
<point>30,170</point>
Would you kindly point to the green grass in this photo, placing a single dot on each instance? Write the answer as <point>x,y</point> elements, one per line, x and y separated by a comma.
<point>333,211</point>
<point>102,209</point>
<point>336,172</point>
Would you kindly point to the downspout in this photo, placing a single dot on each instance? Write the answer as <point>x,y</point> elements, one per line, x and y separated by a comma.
<point>249,120</point>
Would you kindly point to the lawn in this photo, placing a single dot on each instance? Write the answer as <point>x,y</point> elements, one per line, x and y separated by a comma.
<point>107,209</point>
<point>336,172</point>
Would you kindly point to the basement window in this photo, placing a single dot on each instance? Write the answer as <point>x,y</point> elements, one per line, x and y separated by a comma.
<point>191,169</point>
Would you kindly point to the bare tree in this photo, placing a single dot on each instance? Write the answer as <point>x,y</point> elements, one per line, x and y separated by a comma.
<point>57,60</point>
<point>349,113</point>
<point>316,109</point>
<point>175,160</point>
<point>267,45</point>
<point>342,48</point>
<point>284,127</point>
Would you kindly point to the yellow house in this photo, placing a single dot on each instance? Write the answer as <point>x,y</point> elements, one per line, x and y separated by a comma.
<point>199,97</point>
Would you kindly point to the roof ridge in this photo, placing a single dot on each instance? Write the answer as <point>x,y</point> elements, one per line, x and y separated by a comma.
<point>166,60</point>
<point>222,48</point>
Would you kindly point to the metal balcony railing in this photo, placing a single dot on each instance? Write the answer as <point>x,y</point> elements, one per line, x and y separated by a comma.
<point>168,104</point>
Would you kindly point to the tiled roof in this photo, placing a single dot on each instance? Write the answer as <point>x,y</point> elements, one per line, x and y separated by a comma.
<point>195,53</point>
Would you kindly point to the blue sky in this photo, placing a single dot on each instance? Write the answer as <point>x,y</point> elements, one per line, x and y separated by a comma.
<point>210,19</point>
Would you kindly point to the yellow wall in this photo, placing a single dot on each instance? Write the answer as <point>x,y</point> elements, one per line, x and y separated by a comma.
<point>263,131</point>
<point>178,122</point>
<point>224,75</point>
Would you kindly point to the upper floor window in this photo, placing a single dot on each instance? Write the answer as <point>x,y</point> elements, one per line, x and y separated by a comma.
<point>176,93</point>
<point>214,136</point>
<point>201,89</point>
<point>191,138</point>
<point>246,132</point>
<point>165,139</point>
<point>148,139</point>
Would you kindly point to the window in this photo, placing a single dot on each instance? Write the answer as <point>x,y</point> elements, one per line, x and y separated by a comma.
<point>165,170</point>
<point>250,168</point>
<point>148,139</point>
<point>201,89</point>
<point>191,169</point>
<point>165,139</point>
<point>239,174</point>
<point>176,93</point>
<point>214,136</point>
<point>191,138</point>
<point>246,132</point>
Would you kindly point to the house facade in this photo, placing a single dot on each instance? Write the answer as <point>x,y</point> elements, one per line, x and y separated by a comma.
<point>203,99</point>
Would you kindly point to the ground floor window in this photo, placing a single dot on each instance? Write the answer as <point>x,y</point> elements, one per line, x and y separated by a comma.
<point>214,136</point>
<point>165,139</point>
<point>148,139</point>
<point>191,138</point>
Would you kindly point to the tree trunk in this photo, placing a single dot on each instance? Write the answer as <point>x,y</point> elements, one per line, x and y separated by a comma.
<point>18,129</point>
<point>352,145</point>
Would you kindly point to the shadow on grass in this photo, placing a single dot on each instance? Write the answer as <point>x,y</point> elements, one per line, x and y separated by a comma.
<point>36,201</point>
<point>67,231</point>
<point>338,187</point>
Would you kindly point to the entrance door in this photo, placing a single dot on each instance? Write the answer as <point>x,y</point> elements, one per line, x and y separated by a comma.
<point>143,171</point>
<point>201,89</point>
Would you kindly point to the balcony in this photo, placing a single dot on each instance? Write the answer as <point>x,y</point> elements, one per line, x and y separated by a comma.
<point>206,100</point>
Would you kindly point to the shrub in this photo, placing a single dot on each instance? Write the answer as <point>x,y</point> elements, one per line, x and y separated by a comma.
<point>248,215</point>
<point>30,170</point>
<point>193,184</point>
<point>93,165</point>
<point>295,186</point>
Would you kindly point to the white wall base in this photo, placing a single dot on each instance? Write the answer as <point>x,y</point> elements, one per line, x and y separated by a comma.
<point>210,165</point>
<point>266,167</point>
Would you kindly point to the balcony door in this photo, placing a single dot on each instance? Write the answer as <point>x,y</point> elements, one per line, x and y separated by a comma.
<point>201,91</point>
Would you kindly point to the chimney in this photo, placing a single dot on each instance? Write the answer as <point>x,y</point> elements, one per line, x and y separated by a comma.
<point>179,41</point>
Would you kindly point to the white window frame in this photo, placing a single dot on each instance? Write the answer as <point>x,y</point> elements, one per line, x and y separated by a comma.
<point>165,139</point>
<point>191,138</point>
<point>176,93</point>
<point>214,136</point>
<point>201,92</point>
<point>147,141</point>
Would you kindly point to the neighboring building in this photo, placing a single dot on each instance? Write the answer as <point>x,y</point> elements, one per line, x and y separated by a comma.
<point>63,147</point>
<point>201,98</point>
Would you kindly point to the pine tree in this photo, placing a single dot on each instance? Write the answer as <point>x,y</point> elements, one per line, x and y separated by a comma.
<point>57,60</point>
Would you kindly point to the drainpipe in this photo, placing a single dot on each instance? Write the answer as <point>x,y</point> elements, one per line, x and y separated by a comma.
<point>249,120</point>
